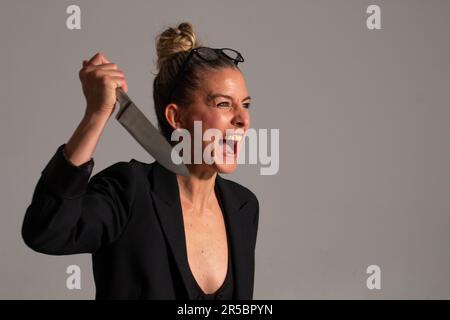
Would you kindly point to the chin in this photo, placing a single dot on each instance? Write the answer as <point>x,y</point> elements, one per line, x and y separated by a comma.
<point>225,168</point>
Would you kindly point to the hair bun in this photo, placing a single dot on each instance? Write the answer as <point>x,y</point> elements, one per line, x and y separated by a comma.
<point>175,40</point>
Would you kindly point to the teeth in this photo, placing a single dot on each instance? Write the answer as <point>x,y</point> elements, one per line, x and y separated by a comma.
<point>234,137</point>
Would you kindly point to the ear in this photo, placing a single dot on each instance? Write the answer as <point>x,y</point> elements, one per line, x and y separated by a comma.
<point>173,114</point>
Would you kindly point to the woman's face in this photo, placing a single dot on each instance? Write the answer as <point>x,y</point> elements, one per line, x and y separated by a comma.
<point>222,103</point>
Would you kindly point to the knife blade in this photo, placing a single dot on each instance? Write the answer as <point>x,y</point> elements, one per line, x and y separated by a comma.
<point>146,134</point>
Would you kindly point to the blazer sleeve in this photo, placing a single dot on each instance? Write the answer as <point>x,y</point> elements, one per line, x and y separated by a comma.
<point>71,214</point>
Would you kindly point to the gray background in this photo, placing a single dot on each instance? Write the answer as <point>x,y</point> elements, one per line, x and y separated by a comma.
<point>364,136</point>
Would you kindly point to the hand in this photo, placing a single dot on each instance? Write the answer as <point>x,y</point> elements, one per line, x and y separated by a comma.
<point>100,78</point>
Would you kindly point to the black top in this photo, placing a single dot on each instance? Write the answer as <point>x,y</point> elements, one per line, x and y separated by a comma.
<point>129,217</point>
<point>225,292</point>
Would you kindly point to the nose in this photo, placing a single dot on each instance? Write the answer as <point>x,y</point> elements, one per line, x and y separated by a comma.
<point>241,118</point>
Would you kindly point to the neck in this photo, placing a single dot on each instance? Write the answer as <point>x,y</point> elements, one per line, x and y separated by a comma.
<point>197,190</point>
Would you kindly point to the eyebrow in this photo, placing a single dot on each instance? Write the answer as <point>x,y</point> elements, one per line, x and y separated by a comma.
<point>211,96</point>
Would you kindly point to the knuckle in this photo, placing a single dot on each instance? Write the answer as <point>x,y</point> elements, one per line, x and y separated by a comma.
<point>105,80</point>
<point>97,74</point>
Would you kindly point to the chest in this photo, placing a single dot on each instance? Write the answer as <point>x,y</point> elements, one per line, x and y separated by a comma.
<point>207,247</point>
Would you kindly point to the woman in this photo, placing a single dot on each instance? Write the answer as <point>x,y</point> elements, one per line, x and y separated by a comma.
<point>154,234</point>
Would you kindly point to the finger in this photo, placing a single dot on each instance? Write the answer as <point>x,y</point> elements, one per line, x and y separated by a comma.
<point>99,58</point>
<point>118,82</point>
<point>109,73</point>
<point>104,59</point>
<point>125,86</point>
<point>107,66</point>
<point>95,59</point>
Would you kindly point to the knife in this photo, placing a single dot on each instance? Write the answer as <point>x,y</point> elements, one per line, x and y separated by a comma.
<point>146,134</point>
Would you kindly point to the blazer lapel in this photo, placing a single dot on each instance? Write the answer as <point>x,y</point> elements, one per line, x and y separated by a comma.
<point>165,192</point>
<point>239,227</point>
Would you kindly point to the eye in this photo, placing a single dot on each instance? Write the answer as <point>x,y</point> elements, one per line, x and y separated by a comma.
<point>247,105</point>
<point>224,104</point>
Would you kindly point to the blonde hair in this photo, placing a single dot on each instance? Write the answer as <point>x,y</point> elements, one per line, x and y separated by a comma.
<point>175,40</point>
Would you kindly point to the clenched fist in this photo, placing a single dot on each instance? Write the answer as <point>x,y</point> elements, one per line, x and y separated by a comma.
<point>100,78</point>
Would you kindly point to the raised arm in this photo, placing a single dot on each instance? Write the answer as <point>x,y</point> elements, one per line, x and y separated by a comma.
<point>70,213</point>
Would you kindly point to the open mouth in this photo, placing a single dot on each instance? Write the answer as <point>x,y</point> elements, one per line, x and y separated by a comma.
<point>230,144</point>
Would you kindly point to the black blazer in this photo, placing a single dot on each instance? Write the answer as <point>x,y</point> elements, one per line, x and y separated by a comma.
<point>129,217</point>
